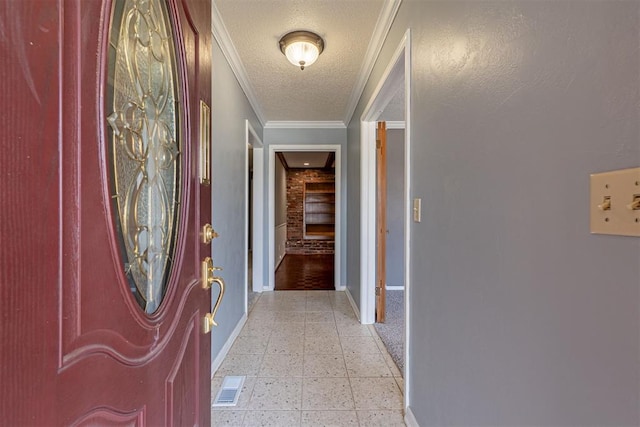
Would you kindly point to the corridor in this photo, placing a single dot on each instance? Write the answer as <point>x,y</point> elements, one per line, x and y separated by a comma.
<point>306,272</point>
<point>309,362</point>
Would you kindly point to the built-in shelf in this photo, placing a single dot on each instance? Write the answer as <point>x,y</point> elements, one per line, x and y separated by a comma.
<point>319,210</point>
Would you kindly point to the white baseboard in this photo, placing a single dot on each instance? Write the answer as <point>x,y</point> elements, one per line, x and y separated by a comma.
<point>410,419</point>
<point>394,288</point>
<point>227,346</point>
<point>353,304</point>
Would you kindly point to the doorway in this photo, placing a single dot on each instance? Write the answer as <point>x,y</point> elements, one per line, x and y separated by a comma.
<point>391,253</point>
<point>305,220</point>
<point>393,91</point>
<point>297,153</point>
<point>254,227</point>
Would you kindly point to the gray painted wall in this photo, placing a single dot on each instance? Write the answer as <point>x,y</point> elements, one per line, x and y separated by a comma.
<point>229,110</point>
<point>280,193</point>
<point>280,207</point>
<point>304,136</point>
<point>353,195</point>
<point>395,208</point>
<point>315,137</point>
<point>519,315</point>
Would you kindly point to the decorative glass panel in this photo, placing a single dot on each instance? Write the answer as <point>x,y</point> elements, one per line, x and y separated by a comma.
<point>146,171</point>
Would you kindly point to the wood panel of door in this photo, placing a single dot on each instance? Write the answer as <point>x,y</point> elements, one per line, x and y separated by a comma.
<point>77,349</point>
<point>381,221</point>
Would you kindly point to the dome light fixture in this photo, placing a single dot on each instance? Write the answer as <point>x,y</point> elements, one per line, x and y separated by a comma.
<point>301,48</point>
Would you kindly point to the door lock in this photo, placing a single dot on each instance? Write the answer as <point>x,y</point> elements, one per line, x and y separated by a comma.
<point>208,233</point>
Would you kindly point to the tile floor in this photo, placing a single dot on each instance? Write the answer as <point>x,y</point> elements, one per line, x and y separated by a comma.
<point>309,362</point>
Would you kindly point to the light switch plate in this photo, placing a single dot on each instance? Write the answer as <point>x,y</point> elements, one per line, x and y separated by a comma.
<point>417,210</point>
<point>612,202</point>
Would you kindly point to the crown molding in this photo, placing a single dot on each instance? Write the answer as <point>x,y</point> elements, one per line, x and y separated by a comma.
<point>304,125</point>
<point>221,35</point>
<point>383,25</point>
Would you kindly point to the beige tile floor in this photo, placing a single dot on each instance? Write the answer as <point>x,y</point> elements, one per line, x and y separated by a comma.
<point>309,362</point>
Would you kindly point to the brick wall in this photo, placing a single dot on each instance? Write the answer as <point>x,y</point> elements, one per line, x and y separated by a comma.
<point>296,243</point>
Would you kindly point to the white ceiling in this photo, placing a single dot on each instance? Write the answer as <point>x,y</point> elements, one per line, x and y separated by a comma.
<point>307,159</point>
<point>327,91</point>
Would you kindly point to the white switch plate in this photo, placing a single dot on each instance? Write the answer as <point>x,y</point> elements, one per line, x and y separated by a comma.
<point>620,187</point>
<point>417,210</point>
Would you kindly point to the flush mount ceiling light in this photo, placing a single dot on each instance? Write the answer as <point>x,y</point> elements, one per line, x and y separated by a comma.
<point>301,48</point>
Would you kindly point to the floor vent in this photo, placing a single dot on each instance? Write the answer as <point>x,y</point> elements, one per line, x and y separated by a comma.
<point>229,391</point>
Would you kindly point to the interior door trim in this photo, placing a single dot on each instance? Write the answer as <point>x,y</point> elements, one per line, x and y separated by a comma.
<point>398,71</point>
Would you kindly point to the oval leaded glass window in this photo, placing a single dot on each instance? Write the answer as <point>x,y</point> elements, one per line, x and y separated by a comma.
<point>144,139</point>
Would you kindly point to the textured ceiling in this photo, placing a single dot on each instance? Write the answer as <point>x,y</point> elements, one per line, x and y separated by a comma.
<point>325,90</point>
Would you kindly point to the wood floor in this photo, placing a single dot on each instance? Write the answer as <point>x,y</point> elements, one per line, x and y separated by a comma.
<point>305,272</point>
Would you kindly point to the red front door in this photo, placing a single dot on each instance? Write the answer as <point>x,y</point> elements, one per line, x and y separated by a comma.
<point>103,110</point>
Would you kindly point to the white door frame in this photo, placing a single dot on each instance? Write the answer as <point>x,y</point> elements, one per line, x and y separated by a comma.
<point>271,203</point>
<point>398,71</point>
<point>257,223</point>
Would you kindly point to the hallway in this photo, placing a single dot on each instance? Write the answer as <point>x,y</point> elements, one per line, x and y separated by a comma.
<point>305,272</point>
<point>309,362</point>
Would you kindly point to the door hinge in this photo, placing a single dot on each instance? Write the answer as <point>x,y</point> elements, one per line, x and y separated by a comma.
<point>378,144</point>
<point>378,291</point>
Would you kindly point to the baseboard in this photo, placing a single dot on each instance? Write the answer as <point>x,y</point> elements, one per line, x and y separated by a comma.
<point>227,346</point>
<point>354,306</point>
<point>394,288</point>
<point>409,418</point>
<point>278,262</point>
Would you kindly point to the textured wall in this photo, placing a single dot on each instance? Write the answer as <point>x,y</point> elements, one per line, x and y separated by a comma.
<point>280,211</point>
<point>280,193</point>
<point>519,315</point>
<point>353,212</point>
<point>229,110</point>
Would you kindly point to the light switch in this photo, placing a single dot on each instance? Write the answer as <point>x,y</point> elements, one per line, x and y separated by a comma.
<point>417,210</point>
<point>615,202</point>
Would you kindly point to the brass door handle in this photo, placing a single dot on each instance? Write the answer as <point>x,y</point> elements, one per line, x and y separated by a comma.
<point>208,279</point>
<point>216,306</point>
<point>209,318</point>
<point>207,272</point>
